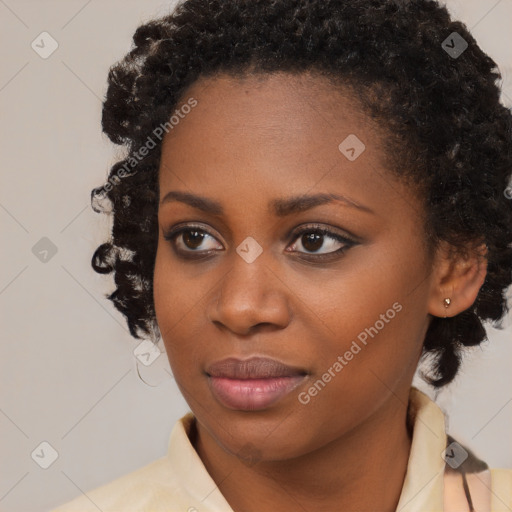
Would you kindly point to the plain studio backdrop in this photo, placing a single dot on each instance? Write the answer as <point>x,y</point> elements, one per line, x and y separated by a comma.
<point>73,412</point>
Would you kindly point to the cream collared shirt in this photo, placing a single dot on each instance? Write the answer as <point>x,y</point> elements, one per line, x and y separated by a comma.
<point>179,482</point>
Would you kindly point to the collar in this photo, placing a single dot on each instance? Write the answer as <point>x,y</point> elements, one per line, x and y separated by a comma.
<point>423,485</point>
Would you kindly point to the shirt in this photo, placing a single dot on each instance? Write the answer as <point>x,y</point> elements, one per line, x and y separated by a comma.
<point>442,475</point>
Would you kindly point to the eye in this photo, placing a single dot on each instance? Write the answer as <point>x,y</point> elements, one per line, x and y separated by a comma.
<point>314,237</point>
<point>193,242</point>
<point>187,239</point>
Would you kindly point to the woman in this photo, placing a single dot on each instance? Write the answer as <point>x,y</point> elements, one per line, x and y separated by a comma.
<point>314,199</point>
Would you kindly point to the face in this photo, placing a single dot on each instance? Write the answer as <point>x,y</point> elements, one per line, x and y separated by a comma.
<point>310,254</point>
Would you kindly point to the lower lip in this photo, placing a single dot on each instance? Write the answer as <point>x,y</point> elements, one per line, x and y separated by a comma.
<point>252,394</point>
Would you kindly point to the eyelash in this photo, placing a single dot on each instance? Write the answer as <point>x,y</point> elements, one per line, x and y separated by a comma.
<point>296,234</point>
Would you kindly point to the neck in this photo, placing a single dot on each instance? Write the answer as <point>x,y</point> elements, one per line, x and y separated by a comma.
<point>362,470</point>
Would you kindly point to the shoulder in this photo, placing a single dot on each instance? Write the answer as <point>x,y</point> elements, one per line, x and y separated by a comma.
<point>501,489</point>
<point>153,487</point>
<point>469,484</point>
<point>171,483</point>
<point>146,488</point>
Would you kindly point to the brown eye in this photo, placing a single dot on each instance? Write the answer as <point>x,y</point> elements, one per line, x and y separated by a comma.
<point>315,238</point>
<point>192,238</point>
<point>312,241</point>
<point>192,242</point>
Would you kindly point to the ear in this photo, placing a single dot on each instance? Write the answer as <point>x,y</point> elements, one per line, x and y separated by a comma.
<point>457,277</point>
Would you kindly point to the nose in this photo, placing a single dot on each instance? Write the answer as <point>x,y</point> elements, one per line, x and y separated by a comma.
<point>249,296</point>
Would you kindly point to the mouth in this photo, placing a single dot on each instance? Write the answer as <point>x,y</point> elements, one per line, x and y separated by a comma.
<point>252,384</point>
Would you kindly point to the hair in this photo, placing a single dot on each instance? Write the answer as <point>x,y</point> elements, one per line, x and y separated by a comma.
<point>446,131</point>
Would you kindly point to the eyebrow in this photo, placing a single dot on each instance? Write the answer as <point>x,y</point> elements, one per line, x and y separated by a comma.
<point>280,207</point>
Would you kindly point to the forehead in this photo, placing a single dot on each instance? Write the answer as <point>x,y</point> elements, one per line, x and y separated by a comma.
<point>267,136</point>
<point>280,108</point>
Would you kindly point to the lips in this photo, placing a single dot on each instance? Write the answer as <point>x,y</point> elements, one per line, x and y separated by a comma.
<point>252,384</point>
<point>253,368</point>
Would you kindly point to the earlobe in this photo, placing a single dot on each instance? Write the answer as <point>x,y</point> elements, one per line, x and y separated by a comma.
<point>457,281</point>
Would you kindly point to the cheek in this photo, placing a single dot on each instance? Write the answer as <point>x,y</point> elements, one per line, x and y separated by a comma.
<point>376,319</point>
<point>170,295</point>
<point>179,308</point>
<point>372,358</point>
<point>163,285</point>
<point>175,294</point>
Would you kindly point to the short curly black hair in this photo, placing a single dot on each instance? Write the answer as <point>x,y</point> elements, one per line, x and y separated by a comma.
<point>447,132</point>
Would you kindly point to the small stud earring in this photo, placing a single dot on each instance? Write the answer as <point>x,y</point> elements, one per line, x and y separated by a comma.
<point>447,302</point>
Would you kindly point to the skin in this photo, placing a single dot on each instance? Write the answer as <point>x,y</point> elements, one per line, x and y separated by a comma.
<point>247,142</point>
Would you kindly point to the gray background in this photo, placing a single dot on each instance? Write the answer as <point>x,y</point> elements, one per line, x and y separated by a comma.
<point>68,374</point>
